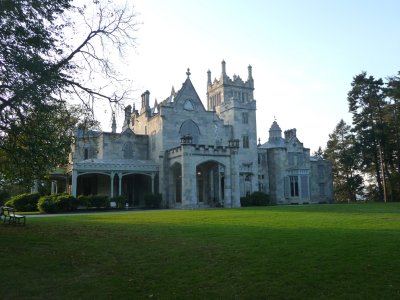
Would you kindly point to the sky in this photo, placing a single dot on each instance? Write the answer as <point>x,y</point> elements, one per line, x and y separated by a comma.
<point>304,54</point>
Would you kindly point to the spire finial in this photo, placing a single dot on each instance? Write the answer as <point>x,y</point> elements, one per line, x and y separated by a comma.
<point>188,72</point>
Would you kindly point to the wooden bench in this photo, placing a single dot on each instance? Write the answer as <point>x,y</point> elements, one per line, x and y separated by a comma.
<point>9,216</point>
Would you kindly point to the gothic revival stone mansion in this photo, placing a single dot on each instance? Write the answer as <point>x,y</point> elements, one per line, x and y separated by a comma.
<point>197,156</point>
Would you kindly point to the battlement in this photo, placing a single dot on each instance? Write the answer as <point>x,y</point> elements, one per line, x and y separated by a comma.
<point>199,150</point>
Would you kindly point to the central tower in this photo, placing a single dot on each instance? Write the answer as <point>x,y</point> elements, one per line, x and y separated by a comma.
<point>233,101</point>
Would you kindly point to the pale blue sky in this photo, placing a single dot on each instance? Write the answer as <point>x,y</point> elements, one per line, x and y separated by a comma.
<point>303,53</point>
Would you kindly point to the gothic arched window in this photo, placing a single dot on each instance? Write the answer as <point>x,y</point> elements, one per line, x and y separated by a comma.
<point>127,150</point>
<point>190,128</point>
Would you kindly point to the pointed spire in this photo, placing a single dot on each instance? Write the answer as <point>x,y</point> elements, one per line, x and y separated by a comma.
<point>223,68</point>
<point>155,108</point>
<point>113,123</point>
<point>275,131</point>
<point>250,72</point>
<point>173,91</point>
<point>209,77</point>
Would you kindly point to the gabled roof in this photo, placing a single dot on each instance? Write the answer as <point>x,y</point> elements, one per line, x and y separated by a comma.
<point>188,92</point>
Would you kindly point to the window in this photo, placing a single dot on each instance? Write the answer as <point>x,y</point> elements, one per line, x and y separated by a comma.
<point>190,128</point>
<point>127,150</point>
<point>321,171</point>
<point>291,158</point>
<point>245,118</point>
<point>89,153</point>
<point>153,141</point>
<point>322,189</point>
<point>294,186</point>
<point>245,141</point>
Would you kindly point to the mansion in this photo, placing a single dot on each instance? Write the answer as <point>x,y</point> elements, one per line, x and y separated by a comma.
<point>197,156</point>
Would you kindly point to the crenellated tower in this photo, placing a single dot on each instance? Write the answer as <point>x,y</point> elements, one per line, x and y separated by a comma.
<point>233,101</point>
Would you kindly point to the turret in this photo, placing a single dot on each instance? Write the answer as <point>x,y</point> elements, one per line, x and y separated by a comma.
<point>128,112</point>
<point>145,102</point>
<point>113,123</point>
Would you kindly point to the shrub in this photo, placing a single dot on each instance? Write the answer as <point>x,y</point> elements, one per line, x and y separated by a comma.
<point>255,199</point>
<point>84,200</point>
<point>245,201</point>
<point>119,200</point>
<point>4,196</point>
<point>57,203</point>
<point>152,200</point>
<point>24,202</point>
<point>259,199</point>
<point>48,204</point>
<point>99,201</point>
<point>66,202</point>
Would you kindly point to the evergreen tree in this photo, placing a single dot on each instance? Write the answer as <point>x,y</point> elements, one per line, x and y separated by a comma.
<point>343,151</point>
<point>392,117</point>
<point>366,102</point>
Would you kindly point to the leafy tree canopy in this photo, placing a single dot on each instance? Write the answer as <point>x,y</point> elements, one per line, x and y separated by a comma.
<point>51,52</point>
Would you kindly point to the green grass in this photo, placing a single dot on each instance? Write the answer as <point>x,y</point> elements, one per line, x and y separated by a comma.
<point>283,252</point>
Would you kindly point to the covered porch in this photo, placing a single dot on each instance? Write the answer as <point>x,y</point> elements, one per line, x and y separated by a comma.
<point>129,178</point>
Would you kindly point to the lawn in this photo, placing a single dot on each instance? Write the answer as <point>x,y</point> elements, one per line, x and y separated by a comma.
<point>281,252</point>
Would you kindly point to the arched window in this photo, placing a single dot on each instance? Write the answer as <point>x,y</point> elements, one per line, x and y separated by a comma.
<point>190,128</point>
<point>127,150</point>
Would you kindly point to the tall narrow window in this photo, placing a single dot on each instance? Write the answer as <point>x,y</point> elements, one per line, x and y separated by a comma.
<point>86,154</point>
<point>245,118</point>
<point>245,141</point>
<point>321,171</point>
<point>322,189</point>
<point>294,186</point>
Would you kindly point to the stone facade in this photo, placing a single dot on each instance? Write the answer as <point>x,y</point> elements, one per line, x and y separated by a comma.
<point>196,156</point>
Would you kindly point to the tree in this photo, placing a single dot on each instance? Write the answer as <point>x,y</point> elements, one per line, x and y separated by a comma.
<point>366,102</point>
<point>32,150</point>
<point>319,153</point>
<point>343,151</point>
<point>392,117</point>
<point>41,69</point>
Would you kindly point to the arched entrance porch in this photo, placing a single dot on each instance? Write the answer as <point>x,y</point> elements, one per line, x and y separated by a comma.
<point>134,186</point>
<point>93,184</point>
<point>175,184</point>
<point>210,184</point>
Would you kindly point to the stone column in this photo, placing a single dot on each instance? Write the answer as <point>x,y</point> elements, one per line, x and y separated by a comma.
<point>152,182</point>
<point>112,184</point>
<point>189,199</point>
<point>235,188</point>
<point>74,182</point>
<point>119,184</point>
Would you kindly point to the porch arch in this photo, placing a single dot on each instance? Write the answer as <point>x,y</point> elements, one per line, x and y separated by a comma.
<point>210,183</point>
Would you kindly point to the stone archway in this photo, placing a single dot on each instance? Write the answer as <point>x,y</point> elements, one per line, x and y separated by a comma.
<point>93,184</point>
<point>134,187</point>
<point>210,184</point>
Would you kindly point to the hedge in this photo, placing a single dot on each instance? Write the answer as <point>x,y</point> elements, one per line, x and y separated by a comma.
<point>57,203</point>
<point>152,200</point>
<point>24,202</point>
<point>255,199</point>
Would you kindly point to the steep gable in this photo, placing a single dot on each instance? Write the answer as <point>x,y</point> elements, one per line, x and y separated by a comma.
<point>187,98</point>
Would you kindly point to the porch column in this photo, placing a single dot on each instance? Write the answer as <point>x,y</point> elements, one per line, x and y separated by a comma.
<point>112,184</point>
<point>119,184</point>
<point>74,182</point>
<point>53,187</point>
<point>152,183</point>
